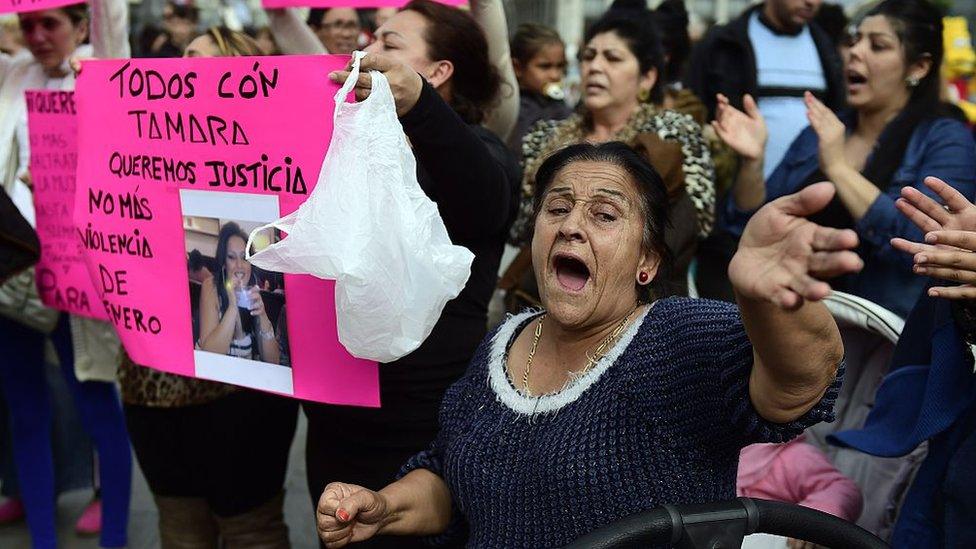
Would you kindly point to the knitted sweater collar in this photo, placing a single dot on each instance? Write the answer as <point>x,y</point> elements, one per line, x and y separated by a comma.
<point>523,405</point>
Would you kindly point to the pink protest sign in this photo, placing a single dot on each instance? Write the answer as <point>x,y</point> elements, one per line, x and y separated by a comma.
<point>182,158</point>
<point>7,6</point>
<point>349,3</point>
<point>62,277</point>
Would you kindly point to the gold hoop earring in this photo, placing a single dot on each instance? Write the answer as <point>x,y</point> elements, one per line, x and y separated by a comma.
<point>644,96</point>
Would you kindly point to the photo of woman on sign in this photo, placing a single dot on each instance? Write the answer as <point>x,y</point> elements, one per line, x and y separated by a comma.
<point>233,318</point>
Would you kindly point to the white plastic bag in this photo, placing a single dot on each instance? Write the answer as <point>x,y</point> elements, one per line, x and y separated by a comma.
<point>368,225</point>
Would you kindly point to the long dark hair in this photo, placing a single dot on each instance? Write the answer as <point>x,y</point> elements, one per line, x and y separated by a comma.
<point>650,188</point>
<point>453,35</point>
<point>671,17</point>
<point>220,277</point>
<point>918,25</point>
<point>636,27</point>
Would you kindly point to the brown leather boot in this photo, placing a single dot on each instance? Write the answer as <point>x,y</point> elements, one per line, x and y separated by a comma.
<point>260,528</point>
<point>186,523</point>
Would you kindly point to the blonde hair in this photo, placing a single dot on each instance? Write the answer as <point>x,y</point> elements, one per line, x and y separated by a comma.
<point>233,43</point>
<point>9,24</point>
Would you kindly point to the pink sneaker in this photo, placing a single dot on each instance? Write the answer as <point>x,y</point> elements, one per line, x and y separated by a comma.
<point>11,511</point>
<point>90,523</point>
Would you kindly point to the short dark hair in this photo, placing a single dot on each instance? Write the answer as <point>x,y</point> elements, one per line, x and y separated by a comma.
<point>833,21</point>
<point>650,187</point>
<point>77,13</point>
<point>529,39</point>
<point>453,35</point>
<point>671,17</point>
<point>639,32</point>
<point>195,261</point>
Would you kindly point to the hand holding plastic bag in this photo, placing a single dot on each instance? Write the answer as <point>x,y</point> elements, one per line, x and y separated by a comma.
<point>369,226</point>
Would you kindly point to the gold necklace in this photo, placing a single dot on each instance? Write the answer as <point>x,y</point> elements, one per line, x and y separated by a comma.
<point>591,360</point>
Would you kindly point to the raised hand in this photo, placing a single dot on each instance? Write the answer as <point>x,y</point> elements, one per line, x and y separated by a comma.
<point>948,255</point>
<point>830,131</point>
<point>783,258</point>
<point>257,303</point>
<point>745,132</point>
<point>950,239</point>
<point>405,83</point>
<point>955,213</point>
<point>348,513</point>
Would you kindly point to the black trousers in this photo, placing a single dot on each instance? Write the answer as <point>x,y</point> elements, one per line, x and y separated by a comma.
<point>369,446</point>
<point>232,452</point>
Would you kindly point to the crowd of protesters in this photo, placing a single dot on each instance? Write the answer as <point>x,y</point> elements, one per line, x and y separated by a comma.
<point>663,246</point>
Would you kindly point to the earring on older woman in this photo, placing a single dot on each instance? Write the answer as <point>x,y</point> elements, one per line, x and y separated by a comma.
<point>642,278</point>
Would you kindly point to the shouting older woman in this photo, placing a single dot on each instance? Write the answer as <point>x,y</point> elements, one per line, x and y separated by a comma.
<point>607,403</point>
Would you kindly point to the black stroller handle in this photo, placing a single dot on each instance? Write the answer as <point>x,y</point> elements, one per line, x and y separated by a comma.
<point>723,525</point>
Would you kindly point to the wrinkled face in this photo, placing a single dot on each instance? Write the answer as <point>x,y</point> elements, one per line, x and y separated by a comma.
<point>339,32</point>
<point>611,74</point>
<point>794,14</point>
<point>587,246</point>
<point>875,66</point>
<point>403,38</point>
<point>548,66</point>
<point>202,46</point>
<point>237,268</point>
<point>180,29</point>
<point>51,36</point>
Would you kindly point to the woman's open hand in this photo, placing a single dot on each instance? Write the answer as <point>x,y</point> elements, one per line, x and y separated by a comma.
<point>744,132</point>
<point>348,513</point>
<point>947,255</point>
<point>783,258</point>
<point>405,83</point>
<point>955,213</point>
<point>950,238</point>
<point>831,134</point>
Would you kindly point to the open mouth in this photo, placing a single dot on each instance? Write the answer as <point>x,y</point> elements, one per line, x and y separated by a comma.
<point>855,78</point>
<point>571,272</point>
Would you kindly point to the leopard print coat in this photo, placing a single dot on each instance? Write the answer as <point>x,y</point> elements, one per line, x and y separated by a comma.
<point>143,386</point>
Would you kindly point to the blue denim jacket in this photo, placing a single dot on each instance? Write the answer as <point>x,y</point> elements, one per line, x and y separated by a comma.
<point>941,147</point>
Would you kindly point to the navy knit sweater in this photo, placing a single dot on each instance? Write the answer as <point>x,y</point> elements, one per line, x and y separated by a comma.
<point>660,419</point>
